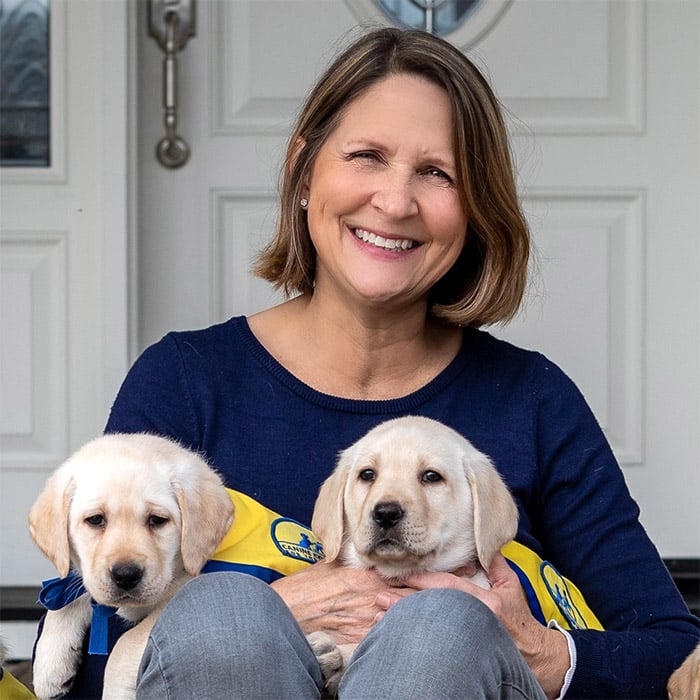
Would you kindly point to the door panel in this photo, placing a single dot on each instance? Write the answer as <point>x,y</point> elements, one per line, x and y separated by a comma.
<point>609,175</point>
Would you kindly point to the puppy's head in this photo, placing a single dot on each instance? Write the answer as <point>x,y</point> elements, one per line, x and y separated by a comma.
<point>414,495</point>
<point>131,512</point>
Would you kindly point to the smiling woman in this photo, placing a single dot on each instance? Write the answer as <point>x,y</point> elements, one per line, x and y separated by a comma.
<point>486,283</point>
<point>400,233</point>
<point>387,171</point>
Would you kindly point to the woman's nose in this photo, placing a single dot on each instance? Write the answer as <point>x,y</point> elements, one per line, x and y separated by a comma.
<point>395,195</point>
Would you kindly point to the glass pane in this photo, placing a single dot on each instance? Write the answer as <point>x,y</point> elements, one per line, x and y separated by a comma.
<point>24,83</point>
<point>447,15</point>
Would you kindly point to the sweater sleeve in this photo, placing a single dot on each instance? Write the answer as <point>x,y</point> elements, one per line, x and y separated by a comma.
<point>589,526</point>
<point>154,397</point>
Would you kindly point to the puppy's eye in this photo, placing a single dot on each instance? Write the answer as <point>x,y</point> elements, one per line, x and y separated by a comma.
<point>96,521</point>
<point>430,477</point>
<point>367,475</point>
<point>156,521</point>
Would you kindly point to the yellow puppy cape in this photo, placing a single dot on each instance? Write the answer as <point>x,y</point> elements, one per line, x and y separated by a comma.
<point>549,595</point>
<point>268,546</point>
<point>263,543</point>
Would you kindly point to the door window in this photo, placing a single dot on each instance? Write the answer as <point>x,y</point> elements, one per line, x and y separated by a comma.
<point>24,83</point>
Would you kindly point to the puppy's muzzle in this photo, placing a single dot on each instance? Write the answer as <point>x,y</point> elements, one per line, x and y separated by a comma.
<point>126,576</point>
<point>387,514</point>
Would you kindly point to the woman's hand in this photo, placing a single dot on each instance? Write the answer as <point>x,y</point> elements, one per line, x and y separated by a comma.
<point>335,599</point>
<point>545,650</point>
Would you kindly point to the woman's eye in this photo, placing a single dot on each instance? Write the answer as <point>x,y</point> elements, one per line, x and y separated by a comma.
<point>430,477</point>
<point>364,156</point>
<point>96,520</point>
<point>439,174</point>
<point>367,475</point>
<point>156,521</point>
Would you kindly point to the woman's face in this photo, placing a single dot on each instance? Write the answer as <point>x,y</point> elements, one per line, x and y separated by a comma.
<point>384,210</point>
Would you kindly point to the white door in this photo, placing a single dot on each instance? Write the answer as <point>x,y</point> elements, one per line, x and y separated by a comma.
<point>63,274</point>
<point>604,98</point>
<point>63,269</point>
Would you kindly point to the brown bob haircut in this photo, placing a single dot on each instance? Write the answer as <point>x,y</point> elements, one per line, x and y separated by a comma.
<point>487,282</point>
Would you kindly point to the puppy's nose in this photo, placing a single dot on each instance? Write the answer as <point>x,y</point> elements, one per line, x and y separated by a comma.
<point>126,576</point>
<point>386,515</point>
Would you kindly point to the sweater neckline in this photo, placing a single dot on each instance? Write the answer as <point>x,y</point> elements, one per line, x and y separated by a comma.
<point>410,402</point>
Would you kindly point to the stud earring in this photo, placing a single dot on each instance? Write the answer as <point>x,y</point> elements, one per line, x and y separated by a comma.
<point>304,202</point>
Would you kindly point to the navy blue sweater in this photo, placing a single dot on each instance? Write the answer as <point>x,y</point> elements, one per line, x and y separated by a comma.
<point>273,437</point>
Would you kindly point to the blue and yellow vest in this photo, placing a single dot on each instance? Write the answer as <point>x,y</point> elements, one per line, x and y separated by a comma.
<point>263,543</point>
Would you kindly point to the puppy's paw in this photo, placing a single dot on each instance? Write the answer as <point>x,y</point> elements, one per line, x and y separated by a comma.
<point>54,669</point>
<point>58,651</point>
<point>330,658</point>
<point>53,678</point>
<point>327,651</point>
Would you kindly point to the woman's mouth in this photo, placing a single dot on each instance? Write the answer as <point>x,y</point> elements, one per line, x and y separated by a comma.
<point>381,242</point>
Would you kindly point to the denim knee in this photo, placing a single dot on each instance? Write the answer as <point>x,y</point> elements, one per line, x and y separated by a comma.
<point>438,643</point>
<point>237,624</point>
<point>428,610</point>
<point>221,612</point>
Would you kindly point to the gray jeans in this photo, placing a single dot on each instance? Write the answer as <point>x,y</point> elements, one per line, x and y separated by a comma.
<point>231,636</point>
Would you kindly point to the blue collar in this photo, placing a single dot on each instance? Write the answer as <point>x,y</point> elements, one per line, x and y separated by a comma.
<point>57,593</point>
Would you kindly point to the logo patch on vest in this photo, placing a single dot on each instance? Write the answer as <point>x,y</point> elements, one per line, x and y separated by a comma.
<point>296,541</point>
<point>559,591</point>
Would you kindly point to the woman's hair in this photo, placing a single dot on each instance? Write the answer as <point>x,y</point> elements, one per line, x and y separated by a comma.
<point>487,282</point>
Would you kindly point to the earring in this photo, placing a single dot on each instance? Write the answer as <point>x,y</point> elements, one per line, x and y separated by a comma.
<point>304,202</point>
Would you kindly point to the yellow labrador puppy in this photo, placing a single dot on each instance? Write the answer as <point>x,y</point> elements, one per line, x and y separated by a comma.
<point>684,683</point>
<point>136,516</point>
<point>411,495</point>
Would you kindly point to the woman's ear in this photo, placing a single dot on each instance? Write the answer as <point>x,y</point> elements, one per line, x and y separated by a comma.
<point>292,161</point>
<point>294,152</point>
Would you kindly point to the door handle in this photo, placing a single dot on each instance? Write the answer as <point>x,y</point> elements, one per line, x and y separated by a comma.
<point>171,23</point>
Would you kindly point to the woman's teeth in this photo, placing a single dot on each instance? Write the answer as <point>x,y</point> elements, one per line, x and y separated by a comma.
<point>381,242</point>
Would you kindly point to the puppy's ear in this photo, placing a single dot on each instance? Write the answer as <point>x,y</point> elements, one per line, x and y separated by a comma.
<point>48,520</point>
<point>328,520</point>
<point>495,512</point>
<point>206,509</point>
